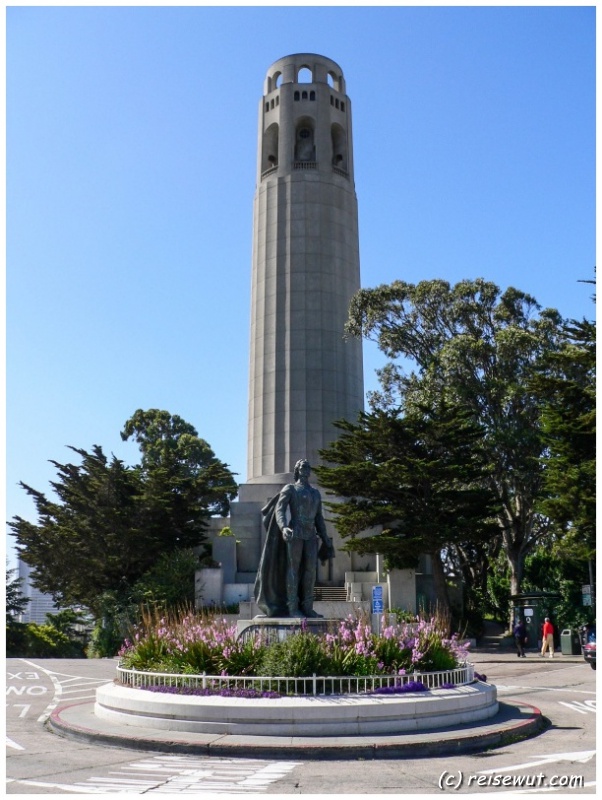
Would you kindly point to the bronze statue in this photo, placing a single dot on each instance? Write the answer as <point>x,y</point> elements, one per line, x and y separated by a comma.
<point>287,570</point>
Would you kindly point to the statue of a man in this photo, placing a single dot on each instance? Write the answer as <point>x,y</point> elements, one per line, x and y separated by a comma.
<point>287,570</point>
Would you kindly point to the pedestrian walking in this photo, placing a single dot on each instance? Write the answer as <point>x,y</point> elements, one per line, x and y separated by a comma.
<point>520,638</point>
<point>547,638</point>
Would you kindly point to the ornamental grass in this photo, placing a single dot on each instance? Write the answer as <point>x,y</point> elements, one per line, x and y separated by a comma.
<point>191,644</point>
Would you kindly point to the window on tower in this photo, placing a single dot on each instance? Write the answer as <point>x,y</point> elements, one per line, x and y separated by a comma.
<point>304,142</point>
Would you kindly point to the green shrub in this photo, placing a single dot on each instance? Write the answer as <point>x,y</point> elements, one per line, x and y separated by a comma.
<point>200,656</point>
<point>437,657</point>
<point>45,641</point>
<point>402,615</point>
<point>393,655</point>
<point>298,656</point>
<point>341,660</point>
<point>150,650</point>
<point>16,639</point>
<point>242,657</point>
<point>169,584</point>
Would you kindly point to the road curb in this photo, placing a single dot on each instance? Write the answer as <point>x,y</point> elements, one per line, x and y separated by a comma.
<point>514,722</point>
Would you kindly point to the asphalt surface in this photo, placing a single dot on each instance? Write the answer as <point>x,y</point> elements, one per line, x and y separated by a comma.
<point>56,745</point>
<point>515,720</point>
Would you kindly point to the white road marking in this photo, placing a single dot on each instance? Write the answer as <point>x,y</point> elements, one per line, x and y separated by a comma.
<point>503,687</point>
<point>55,700</point>
<point>576,705</point>
<point>174,773</point>
<point>63,786</point>
<point>79,688</point>
<point>14,745</point>
<point>581,757</point>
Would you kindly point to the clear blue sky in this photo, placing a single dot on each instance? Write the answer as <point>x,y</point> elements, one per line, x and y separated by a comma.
<point>131,147</point>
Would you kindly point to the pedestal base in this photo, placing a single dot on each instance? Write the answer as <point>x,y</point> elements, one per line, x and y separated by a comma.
<point>323,717</point>
<point>276,629</point>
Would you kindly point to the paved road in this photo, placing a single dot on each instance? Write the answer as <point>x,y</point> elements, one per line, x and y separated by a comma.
<point>561,760</point>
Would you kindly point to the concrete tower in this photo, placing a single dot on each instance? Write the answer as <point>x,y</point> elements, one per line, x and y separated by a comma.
<point>303,374</point>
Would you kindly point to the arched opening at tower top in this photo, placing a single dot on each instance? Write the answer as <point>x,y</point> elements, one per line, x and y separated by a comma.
<point>335,81</point>
<point>305,75</point>
<point>274,81</point>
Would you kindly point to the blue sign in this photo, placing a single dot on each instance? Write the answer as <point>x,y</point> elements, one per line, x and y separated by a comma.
<point>377,600</point>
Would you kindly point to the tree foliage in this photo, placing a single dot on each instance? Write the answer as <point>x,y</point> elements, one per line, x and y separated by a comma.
<point>479,348</point>
<point>568,388</point>
<point>16,602</point>
<point>108,524</point>
<point>90,538</point>
<point>416,477</point>
<point>169,583</point>
<point>183,483</point>
<point>561,570</point>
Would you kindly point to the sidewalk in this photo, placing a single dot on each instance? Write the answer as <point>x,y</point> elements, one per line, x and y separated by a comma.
<point>497,643</point>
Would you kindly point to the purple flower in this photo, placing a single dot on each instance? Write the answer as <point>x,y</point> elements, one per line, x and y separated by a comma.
<point>411,686</point>
<point>209,691</point>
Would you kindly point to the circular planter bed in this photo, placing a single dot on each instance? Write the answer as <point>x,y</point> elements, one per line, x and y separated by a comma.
<point>311,715</point>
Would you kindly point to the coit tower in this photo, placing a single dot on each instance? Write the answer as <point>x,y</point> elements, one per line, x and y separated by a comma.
<point>304,374</point>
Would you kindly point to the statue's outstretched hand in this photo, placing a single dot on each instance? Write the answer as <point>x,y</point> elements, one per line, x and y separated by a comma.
<point>287,534</point>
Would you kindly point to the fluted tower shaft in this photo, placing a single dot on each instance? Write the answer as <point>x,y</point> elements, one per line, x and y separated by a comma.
<point>304,375</point>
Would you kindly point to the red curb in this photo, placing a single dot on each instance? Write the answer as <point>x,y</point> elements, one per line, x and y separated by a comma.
<point>429,743</point>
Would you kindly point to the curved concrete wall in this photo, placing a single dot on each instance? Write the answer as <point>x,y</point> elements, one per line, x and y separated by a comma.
<point>345,715</point>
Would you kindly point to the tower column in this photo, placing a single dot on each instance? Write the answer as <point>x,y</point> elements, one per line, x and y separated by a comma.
<point>303,374</point>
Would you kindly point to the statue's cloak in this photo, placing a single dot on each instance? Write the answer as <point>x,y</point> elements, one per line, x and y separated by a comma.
<point>270,584</point>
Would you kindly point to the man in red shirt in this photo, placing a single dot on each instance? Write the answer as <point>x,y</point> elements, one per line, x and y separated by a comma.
<point>547,638</point>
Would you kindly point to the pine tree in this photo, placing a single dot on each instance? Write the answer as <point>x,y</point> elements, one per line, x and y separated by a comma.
<point>416,478</point>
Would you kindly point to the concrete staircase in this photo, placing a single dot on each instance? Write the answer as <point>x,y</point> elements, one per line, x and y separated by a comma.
<point>338,593</point>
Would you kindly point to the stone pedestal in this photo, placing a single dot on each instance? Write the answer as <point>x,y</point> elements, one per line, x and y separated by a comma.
<point>333,610</point>
<point>277,629</point>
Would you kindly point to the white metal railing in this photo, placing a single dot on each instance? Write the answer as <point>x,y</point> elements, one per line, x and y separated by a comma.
<point>313,685</point>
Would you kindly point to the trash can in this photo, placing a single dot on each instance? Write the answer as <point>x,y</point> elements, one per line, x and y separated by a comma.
<point>569,643</point>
